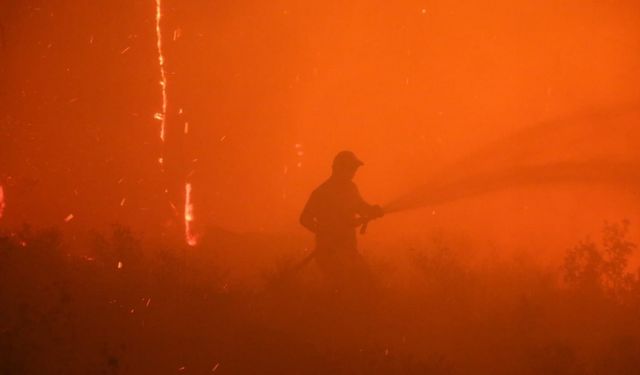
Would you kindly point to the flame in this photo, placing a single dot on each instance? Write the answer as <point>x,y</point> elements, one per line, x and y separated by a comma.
<point>162,116</point>
<point>2,204</point>
<point>188,216</point>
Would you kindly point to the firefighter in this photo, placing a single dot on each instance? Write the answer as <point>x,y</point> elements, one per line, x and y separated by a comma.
<point>333,212</point>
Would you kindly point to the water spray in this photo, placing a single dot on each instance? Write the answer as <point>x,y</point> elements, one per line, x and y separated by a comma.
<point>623,174</point>
<point>578,160</point>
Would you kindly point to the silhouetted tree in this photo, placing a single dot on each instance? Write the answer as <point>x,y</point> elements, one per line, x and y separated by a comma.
<point>593,269</point>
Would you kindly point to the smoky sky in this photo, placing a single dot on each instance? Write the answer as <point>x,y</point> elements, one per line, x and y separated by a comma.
<point>272,90</point>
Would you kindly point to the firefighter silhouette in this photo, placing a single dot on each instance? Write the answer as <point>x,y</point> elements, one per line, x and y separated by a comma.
<point>333,212</point>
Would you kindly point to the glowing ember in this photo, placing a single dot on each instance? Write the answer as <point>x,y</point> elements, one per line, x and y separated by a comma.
<point>68,218</point>
<point>299,154</point>
<point>188,216</point>
<point>176,34</point>
<point>2,205</point>
<point>119,265</point>
<point>173,207</point>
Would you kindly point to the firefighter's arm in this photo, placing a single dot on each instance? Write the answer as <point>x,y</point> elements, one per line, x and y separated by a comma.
<point>368,211</point>
<point>307,217</point>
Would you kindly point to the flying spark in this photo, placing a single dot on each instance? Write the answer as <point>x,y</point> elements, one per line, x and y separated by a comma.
<point>68,218</point>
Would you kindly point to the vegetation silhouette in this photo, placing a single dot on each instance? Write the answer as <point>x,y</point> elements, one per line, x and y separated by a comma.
<point>125,307</point>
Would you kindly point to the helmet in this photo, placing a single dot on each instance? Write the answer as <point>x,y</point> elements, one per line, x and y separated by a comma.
<point>346,159</point>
